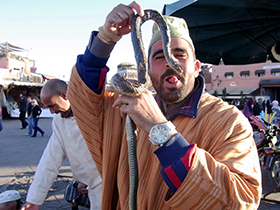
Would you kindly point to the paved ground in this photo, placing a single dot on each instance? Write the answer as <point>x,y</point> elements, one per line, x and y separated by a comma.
<point>20,155</point>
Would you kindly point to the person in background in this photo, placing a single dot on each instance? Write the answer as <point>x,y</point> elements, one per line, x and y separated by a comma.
<point>194,151</point>
<point>1,124</point>
<point>258,107</point>
<point>268,108</point>
<point>2,98</point>
<point>35,113</point>
<point>65,141</point>
<point>247,110</point>
<point>10,200</point>
<point>276,110</point>
<point>264,105</point>
<point>22,110</point>
<point>29,117</point>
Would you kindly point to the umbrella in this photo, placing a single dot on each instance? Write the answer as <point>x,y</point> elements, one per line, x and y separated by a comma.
<point>236,31</point>
<point>7,47</point>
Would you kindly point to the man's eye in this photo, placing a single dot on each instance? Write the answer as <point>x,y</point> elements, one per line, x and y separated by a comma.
<point>180,55</point>
<point>159,57</point>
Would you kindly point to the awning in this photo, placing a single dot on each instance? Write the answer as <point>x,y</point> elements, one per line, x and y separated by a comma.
<point>48,77</point>
<point>244,73</point>
<point>274,70</point>
<point>228,74</point>
<point>236,31</point>
<point>234,91</point>
<point>6,83</point>
<point>236,97</point>
<point>269,82</point>
<point>261,71</point>
<point>7,47</point>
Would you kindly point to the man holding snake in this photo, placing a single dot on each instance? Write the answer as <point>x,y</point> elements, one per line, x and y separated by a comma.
<point>194,150</point>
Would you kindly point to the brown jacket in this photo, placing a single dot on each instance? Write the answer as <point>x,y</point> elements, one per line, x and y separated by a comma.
<point>225,173</point>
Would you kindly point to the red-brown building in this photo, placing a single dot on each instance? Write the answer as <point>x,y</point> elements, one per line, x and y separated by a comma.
<point>262,79</point>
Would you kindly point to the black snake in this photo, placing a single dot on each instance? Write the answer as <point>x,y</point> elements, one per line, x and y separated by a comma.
<point>135,89</point>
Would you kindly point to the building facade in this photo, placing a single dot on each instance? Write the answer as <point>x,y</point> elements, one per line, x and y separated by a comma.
<point>261,79</point>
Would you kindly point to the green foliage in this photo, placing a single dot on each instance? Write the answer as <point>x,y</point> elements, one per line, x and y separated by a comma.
<point>215,93</point>
<point>224,94</point>
<point>242,100</point>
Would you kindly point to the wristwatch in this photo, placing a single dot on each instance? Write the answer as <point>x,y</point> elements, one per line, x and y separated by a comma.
<point>161,133</point>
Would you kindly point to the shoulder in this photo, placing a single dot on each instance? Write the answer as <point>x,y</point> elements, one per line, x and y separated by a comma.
<point>208,101</point>
<point>219,110</point>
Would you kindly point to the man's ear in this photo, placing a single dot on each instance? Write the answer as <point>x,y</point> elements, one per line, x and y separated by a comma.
<point>63,95</point>
<point>197,65</point>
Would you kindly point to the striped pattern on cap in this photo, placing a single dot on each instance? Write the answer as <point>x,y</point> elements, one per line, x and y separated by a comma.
<point>177,27</point>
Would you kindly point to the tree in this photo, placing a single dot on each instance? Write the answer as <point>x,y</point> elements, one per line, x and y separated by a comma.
<point>242,100</point>
<point>215,93</point>
<point>224,94</point>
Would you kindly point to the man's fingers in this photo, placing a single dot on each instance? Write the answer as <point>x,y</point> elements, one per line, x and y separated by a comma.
<point>121,101</point>
<point>135,6</point>
<point>112,89</point>
<point>122,15</point>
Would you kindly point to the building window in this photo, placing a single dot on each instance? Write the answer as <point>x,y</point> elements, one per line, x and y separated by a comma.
<point>260,73</point>
<point>275,72</point>
<point>229,75</point>
<point>130,75</point>
<point>245,74</point>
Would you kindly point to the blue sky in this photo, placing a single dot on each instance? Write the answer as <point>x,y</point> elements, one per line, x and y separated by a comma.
<point>56,31</point>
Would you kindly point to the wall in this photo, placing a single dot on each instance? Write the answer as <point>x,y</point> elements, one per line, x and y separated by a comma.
<point>4,62</point>
<point>221,82</point>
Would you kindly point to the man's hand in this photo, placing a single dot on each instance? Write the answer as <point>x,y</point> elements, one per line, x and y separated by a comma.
<point>82,188</point>
<point>29,206</point>
<point>118,22</point>
<point>120,18</point>
<point>142,109</point>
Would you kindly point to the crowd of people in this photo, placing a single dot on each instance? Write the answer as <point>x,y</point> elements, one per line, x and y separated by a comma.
<point>33,110</point>
<point>206,158</point>
<point>265,109</point>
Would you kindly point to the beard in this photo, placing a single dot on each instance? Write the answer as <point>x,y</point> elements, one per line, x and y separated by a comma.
<point>176,94</point>
<point>67,113</point>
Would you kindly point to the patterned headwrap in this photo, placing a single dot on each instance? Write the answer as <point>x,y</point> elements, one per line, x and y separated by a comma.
<point>9,195</point>
<point>178,28</point>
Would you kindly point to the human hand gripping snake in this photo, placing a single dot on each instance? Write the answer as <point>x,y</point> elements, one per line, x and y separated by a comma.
<point>135,89</point>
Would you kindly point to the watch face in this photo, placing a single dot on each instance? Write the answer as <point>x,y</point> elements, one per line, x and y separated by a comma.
<point>160,134</point>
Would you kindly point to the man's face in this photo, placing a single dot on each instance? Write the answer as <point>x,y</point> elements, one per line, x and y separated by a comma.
<point>12,205</point>
<point>173,87</point>
<point>57,104</point>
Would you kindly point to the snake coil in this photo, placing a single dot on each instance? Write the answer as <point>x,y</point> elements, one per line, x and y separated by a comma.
<point>135,89</point>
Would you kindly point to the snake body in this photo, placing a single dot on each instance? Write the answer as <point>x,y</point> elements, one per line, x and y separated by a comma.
<point>135,89</point>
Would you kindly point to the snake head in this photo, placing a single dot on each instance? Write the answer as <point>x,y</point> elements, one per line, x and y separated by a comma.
<point>175,66</point>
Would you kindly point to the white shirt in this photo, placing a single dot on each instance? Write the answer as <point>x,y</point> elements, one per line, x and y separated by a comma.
<point>66,141</point>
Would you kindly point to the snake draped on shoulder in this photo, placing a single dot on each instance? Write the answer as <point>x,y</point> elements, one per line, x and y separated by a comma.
<point>218,178</point>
